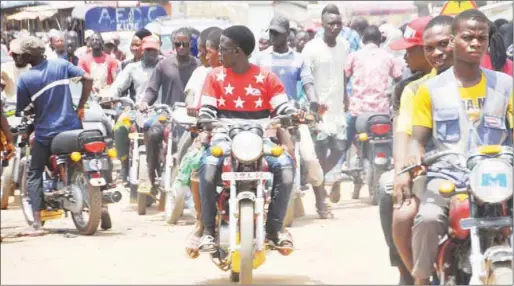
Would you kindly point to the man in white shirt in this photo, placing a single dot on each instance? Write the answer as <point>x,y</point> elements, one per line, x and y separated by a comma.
<point>326,57</point>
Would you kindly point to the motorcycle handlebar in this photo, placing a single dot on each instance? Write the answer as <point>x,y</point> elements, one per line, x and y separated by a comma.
<point>430,158</point>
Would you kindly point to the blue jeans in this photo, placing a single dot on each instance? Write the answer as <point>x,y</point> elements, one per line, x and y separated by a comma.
<point>210,174</point>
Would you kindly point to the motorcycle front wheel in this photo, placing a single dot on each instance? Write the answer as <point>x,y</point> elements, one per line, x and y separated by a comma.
<point>92,204</point>
<point>26,206</point>
<point>246,229</point>
<point>501,274</point>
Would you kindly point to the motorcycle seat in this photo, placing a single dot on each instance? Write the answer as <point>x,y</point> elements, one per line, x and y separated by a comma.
<point>364,121</point>
<point>71,141</point>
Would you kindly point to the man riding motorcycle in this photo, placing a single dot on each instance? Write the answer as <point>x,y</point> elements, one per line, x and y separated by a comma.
<point>432,39</point>
<point>136,74</point>
<point>403,92</point>
<point>46,87</point>
<point>240,90</point>
<point>462,108</point>
<point>291,67</point>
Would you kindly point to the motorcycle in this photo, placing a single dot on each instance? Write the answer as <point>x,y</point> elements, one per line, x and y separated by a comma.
<point>478,246</point>
<point>11,171</point>
<point>243,198</point>
<point>174,199</point>
<point>374,155</point>
<point>76,180</point>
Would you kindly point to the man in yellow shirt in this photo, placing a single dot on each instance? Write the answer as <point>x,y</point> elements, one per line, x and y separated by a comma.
<point>479,91</point>
<point>439,55</point>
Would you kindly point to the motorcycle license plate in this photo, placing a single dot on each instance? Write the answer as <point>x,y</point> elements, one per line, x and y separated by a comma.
<point>485,222</point>
<point>95,164</point>
<point>246,176</point>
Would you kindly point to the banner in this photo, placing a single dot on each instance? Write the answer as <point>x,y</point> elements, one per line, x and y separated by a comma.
<point>110,19</point>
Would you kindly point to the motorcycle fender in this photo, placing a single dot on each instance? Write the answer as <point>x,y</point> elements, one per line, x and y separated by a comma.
<point>500,253</point>
<point>97,182</point>
<point>419,184</point>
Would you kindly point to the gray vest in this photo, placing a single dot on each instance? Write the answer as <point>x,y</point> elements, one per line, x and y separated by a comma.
<point>452,130</point>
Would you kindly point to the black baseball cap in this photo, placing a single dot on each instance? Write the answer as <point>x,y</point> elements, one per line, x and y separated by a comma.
<point>279,24</point>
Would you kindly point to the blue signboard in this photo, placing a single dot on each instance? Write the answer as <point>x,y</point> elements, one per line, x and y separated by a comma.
<point>110,19</point>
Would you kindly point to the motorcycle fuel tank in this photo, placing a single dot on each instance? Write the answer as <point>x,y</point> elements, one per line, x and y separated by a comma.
<point>459,209</point>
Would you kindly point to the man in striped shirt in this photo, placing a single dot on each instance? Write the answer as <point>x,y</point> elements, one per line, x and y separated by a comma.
<point>291,68</point>
<point>240,90</point>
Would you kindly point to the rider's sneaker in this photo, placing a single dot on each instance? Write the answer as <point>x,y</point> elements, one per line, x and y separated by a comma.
<point>207,244</point>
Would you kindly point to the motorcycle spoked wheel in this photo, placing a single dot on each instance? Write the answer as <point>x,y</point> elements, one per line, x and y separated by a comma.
<point>92,203</point>
<point>26,206</point>
<point>246,230</point>
<point>501,274</point>
<point>143,201</point>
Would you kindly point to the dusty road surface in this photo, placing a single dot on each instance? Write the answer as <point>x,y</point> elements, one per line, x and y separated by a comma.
<point>350,249</point>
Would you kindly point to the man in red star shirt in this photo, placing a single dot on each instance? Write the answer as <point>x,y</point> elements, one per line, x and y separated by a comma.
<point>240,90</point>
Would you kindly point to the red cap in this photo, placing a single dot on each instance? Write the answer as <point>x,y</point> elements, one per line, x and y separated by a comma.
<point>413,35</point>
<point>151,42</point>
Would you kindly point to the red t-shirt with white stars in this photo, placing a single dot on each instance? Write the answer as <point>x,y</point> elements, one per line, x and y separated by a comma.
<point>253,95</point>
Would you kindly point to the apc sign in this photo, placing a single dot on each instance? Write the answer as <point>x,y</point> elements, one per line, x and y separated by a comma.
<point>110,19</point>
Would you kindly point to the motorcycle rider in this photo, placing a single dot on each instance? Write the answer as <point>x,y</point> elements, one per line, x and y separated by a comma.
<point>170,74</point>
<point>445,108</point>
<point>135,74</point>
<point>240,90</point>
<point>436,56</point>
<point>46,87</point>
<point>190,163</point>
<point>291,67</point>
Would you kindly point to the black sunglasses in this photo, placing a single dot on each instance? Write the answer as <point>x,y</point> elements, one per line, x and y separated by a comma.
<point>181,44</point>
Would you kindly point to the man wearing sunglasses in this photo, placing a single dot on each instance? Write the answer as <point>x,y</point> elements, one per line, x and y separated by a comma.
<point>240,90</point>
<point>170,77</point>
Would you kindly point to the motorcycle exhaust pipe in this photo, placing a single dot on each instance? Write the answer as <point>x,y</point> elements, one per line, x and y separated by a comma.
<point>111,196</point>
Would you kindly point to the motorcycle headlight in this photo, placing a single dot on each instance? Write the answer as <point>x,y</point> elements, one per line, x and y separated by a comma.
<point>491,180</point>
<point>247,146</point>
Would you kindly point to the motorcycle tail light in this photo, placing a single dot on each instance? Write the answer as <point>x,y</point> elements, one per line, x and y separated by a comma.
<point>381,129</point>
<point>381,155</point>
<point>95,147</point>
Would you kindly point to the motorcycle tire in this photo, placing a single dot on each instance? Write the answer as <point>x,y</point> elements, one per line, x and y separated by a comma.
<point>94,202</point>
<point>501,274</point>
<point>26,207</point>
<point>8,186</point>
<point>356,191</point>
<point>175,203</point>
<point>142,199</point>
<point>373,187</point>
<point>133,194</point>
<point>106,222</point>
<point>335,192</point>
<point>234,276</point>
<point>246,228</point>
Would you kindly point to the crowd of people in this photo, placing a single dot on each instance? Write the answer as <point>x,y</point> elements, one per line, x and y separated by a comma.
<point>336,72</point>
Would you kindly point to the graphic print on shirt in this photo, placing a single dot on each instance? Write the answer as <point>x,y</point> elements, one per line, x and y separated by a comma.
<point>99,72</point>
<point>250,96</point>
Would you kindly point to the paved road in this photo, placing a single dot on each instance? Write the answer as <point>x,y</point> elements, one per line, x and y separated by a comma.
<point>349,249</point>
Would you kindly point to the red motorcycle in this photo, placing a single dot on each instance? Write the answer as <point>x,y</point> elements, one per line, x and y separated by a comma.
<point>478,246</point>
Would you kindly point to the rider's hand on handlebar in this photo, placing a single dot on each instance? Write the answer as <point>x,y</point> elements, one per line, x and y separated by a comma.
<point>143,106</point>
<point>192,111</point>
<point>80,113</point>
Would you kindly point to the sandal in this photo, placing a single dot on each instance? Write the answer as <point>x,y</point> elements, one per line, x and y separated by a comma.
<point>325,211</point>
<point>283,243</point>
<point>207,244</point>
<point>192,244</point>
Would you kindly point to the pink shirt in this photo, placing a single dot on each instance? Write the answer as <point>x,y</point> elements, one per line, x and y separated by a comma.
<point>102,69</point>
<point>486,63</point>
<point>371,69</point>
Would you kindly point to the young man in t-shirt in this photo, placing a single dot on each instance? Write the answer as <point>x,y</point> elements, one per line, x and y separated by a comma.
<point>102,67</point>
<point>326,56</point>
<point>240,90</point>
<point>291,68</point>
<point>46,87</point>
